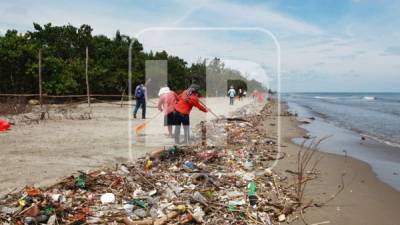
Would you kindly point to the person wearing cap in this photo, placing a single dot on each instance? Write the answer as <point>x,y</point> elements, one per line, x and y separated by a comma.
<point>231,94</point>
<point>186,101</point>
<point>166,103</point>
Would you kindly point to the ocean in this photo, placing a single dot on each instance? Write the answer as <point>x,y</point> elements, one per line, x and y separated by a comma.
<point>346,117</point>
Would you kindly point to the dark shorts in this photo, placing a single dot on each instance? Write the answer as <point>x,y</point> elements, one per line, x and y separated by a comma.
<point>169,119</point>
<point>181,119</point>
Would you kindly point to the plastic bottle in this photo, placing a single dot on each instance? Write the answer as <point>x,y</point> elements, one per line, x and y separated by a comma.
<point>80,182</point>
<point>252,193</point>
<point>252,188</point>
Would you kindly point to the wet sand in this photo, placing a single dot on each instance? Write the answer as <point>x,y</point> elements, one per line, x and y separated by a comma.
<point>383,158</point>
<point>365,200</point>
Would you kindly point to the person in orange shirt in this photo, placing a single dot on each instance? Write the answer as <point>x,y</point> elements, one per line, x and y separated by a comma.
<point>186,101</point>
<point>166,104</point>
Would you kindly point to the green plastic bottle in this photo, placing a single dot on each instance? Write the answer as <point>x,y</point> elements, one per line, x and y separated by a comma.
<point>140,203</point>
<point>80,182</point>
<point>172,150</point>
<point>48,210</point>
<point>252,189</point>
<point>252,193</point>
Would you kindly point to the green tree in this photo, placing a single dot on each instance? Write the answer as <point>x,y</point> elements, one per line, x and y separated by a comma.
<point>63,62</point>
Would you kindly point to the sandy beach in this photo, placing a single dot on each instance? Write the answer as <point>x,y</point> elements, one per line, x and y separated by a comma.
<point>42,154</point>
<point>364,200</point>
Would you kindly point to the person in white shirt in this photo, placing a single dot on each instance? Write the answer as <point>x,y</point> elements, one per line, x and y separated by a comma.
<point>231,95</point>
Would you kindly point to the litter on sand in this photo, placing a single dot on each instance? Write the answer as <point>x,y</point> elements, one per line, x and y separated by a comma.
<point>209,183</point>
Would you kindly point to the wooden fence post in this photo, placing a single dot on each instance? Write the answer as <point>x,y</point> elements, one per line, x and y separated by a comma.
<point>40,78</point>
<point>87,76</point>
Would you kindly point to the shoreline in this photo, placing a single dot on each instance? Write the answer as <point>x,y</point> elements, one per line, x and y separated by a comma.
<point>365,199</point>
<point>383,159</point>
<point>361,133</point>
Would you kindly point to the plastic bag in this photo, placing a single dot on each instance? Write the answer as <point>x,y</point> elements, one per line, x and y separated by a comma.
<point>4,125</point>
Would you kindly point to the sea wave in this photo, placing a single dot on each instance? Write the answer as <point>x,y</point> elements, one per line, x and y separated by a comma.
<point>325,97</point>
<point>374,114</point>
<point>369,98</point>
<point>381,140</point>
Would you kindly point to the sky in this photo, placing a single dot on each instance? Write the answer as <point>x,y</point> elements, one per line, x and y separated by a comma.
<point>325,45</point>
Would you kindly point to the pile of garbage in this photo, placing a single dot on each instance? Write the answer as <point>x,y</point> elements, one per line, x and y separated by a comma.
<point>200,183</point>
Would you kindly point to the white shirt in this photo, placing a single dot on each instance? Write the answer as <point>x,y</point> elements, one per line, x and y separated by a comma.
<point>231,93</point>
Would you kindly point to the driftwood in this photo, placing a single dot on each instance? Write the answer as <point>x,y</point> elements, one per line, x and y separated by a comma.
<point>160,221</point>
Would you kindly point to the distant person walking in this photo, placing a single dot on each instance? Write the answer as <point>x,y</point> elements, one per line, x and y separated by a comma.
<point>240,94</point>
<point>183,107</point>
<point>166,104</point>
<point>254,94</point>
<point>141,99</point>
<point>231,95</point>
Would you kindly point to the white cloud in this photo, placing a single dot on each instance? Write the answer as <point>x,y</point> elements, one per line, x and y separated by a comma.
<point>361,47</point>
<point>260,16</point>
<point>250,69</point>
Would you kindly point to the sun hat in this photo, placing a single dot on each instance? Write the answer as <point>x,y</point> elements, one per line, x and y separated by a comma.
<point>163,90</point>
